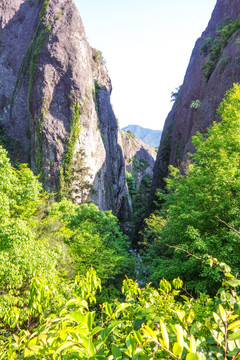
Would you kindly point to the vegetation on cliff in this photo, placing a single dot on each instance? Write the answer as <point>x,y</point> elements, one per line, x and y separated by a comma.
<point>213,48</point>
<point>194,207</point>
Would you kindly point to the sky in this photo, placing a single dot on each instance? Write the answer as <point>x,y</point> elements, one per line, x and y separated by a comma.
<point>147,46</point>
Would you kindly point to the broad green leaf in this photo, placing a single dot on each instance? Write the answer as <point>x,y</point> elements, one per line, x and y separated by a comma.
<point>192,344</point>
<point>218,336</point>
<point>231,345</point>
<point>122,307</point>
<point>131,343</point>
<point>96,330</point>
<point>209,262</point>
<point>220,356</point>
<point>180,335</point>
<point>16,338</point>
<point>35,348</point>
<point>150,333</point>
<point>108,309</point>
<point>64,346</point>
<point>195,328</point>
<point>27,352</point>
<point>192,356</point>
<point>190,317</point>
<point>91,348</point>
<point>107,331</point>
<point>89,320</point>
<point>234,325</point>
<point>78,316</point>
<point>117,355</point>
<point>232,353</point>
<point>229,275</point>
<point>181,314</point>
<point>164,334</point>
<point>144,357</point>
<point>177,349</point>
<point>234,336</point>
<point>223,313</point>
<point>138,337</point>
<point>84,304</point>
<point>233,282</point>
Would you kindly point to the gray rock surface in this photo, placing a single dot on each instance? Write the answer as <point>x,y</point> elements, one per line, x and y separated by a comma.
<point>183,121</point>
<point>148,136</point>
<point>135,149</point>
<point>55,100</point>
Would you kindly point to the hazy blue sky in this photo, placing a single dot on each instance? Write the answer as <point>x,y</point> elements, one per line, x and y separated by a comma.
<point>147,46</point>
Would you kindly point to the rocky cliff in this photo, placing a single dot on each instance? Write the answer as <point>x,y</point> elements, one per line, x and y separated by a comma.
<point>55,105</point>
<point>148,136</point>
<point>213,68</point>
<point>139,157</point>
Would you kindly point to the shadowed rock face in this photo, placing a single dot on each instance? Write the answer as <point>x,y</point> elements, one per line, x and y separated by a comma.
<point>55,100</point>
<point>183,121</point>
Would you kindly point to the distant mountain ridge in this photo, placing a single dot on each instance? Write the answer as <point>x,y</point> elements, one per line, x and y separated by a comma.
<point>149,136</point>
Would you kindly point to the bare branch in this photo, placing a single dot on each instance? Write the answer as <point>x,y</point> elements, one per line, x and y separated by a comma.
<point>229,226</point>
<point>186,251</point>
<point>235,357</point>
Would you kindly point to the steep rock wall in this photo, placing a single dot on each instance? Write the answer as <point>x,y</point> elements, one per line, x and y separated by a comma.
<point>199,97</point>
<point>48,76</point>
<point>139,157</point>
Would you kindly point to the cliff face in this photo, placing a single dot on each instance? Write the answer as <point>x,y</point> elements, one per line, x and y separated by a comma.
<point>209,75</point>
<point>148,136</point>
<point>55,102</point>
<point>139,157</point>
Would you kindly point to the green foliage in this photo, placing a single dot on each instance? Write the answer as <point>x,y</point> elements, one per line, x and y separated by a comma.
<point>45,246</point>
<point>214,48</point>
<point>20,190</point>
<point>97,56</point>
<point>188,219</point>
<point>195,104</point>
<point>130,134</point>
<point>206,47</point>
<point>49,310</point>
<point>13,146</point>
<point>131,184</point>
<point>149,324</point>
<point>95,94</point>
<point>166,145</point>
<point>139,191</point>
<point>22,256</point>
<point>95,239</point>
<point>74,175</point>
<point>223,63</point>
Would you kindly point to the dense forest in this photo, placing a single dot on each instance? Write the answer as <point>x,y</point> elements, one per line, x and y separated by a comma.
<point>72,286</point>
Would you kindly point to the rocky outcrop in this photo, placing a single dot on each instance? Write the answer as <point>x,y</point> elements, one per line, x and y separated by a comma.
<point>111,180</point>
<point>139,157</point>
<point>148,136</point>
<point>209,75</point>
<point>55,102</point>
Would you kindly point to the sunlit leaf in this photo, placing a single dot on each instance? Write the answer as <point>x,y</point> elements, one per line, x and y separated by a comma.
<point>177,349</point>
<point>164,334</point>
